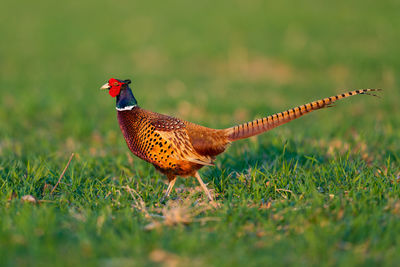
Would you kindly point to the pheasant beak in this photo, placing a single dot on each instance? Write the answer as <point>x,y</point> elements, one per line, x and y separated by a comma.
<point>105,86</point>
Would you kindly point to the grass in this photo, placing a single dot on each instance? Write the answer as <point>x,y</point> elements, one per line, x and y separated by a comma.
<point>322,190</point>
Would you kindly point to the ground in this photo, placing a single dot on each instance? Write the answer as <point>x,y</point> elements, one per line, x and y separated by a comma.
<point>321,190</point>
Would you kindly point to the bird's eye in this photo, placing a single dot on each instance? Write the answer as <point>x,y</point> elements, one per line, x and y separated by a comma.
<point>115,84</point>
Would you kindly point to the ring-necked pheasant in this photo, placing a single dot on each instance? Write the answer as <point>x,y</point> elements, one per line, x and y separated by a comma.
<point>180,148</point>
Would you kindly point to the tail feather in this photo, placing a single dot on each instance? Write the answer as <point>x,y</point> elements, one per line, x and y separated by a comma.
<point>262,125</point>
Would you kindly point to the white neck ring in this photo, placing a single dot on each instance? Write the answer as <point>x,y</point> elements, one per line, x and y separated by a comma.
<point>126,108</point>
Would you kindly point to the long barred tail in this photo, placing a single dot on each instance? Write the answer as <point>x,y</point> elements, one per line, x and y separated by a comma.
<point>262,125</point>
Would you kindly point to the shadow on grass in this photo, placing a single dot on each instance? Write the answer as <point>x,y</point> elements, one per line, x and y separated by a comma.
<point>264,157</point>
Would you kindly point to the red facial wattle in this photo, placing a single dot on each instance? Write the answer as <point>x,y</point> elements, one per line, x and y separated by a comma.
<point>115,87</point>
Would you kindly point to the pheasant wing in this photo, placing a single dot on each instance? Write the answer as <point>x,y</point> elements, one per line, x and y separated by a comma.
<point>174,135</point>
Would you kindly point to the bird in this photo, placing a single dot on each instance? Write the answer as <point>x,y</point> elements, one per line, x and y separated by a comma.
<point>179,148</point>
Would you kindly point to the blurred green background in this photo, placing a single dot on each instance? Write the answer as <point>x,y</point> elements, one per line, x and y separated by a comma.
<point>217,63</point>
<point>203,61</point>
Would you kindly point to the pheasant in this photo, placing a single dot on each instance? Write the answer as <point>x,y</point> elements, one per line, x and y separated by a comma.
<point>180,148</point>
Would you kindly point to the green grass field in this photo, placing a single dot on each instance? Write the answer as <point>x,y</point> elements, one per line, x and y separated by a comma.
<point>321,190</point>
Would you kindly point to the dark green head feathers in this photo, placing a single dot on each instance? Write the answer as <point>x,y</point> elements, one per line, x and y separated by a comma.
<point>120,89</point>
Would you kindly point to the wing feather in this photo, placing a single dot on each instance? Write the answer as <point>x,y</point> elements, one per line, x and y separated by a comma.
<point>180,143</point>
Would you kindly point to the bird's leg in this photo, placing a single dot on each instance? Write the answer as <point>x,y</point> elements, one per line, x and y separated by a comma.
<point>170,186</point>
<point>204,186</point>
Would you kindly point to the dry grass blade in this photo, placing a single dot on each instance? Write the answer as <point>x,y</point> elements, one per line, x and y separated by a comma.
<point>168,259</point>
<point>62,174</point>
<point>182,212</point>
<point>280,190</point>
<point>29,199</point>
<point>138,202</point>
<point>174,212</point>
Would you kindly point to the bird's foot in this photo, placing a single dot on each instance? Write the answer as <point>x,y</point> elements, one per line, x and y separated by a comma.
<point>164,200</point>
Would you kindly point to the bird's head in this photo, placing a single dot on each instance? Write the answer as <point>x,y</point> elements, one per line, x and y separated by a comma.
<point>115,86</point>
<point>120,89</point>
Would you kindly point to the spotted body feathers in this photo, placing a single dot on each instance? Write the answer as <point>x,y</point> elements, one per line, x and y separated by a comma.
<point>173,146</point>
